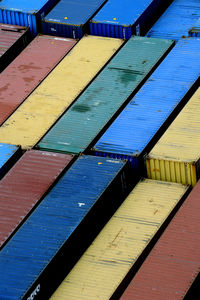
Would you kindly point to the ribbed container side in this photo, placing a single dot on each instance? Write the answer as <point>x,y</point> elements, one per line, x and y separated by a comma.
<point>29,69</point>
<point>173,264</point>
<point>61,228</point>
<point>57,92</point>
<point>150,112</point>
<point>176,156</point>
<point>195,30</point>
<point>121,19</point>
<point>24,185</point>
<point>69,18</point>
<point>177,20</point>
<point>106,95</point>
<point>100,272</point>
<point>13,39</point>
<point>8,156</point>
<point>25,13</point>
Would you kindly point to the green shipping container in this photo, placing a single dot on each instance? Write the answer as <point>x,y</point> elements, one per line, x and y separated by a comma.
<point>106,96</point>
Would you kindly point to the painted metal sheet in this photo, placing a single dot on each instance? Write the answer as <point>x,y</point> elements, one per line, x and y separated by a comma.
<point>24,186</point>
<point>177,20</point>
<point>61,227</point>
<point>132,135</point>
<point>24,13</point>
<point>123,18</point>
<point>68,18</point>
<point>106,95</point>
<point>195,30</point>
<point>13,39</point>
<point>173,264</point>
<point>176,156</point>
<point>121,243</point>
<point>57,92</point>
<point>8,156</point>
<point>26,72</point>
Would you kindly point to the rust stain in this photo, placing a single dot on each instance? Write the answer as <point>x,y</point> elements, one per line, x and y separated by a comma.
<point>113,241</point>
<point>28,79</point>
<point>156,170</point>
<point>28,67</point>
<point>4,88</point>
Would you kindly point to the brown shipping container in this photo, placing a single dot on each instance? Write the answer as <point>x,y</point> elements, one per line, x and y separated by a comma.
<point>13,39</point>
<point>25,184</point>
<point>24,74</point>
<point>174,263</point>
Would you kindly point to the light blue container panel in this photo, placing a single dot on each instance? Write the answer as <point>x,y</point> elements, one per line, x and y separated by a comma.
<point>177,20</point>
<point>8,156</point>
<point>69,18</point>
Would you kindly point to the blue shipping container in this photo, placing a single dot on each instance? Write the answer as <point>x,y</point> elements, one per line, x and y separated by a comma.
<point>24,13</point>
<point>69,18</point>
<point>8,156</point>
<point>61,228</point>
<point>177,20</point>
<point>123,18</point>
<point>140,124</point>
<point>195,30</point>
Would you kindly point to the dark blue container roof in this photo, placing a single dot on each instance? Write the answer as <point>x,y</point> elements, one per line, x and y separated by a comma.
<point>28,6</point>
<point>31,249</point>
<point>177,20</point>
<point>76,12</point>
<point>134,128</point>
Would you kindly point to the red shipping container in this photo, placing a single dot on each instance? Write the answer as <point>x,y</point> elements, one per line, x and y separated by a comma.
<point>25,184</point>
<point>24,74</point>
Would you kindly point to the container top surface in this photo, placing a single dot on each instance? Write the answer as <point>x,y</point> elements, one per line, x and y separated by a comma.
<point>101,100</point>
<point>53,222</point>
<point>176,255</point>
<point>177,20</point>
<point>6,151</point>
<point>133,130</point>
<point>121,12</point>
<point>31,6</point>
<point>73,13</point>
<point>29,69</point>
<point>122,240</point>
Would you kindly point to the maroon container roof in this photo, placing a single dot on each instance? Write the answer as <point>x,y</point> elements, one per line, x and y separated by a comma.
<point>33,64</point>
<point>174,263</point>
<point>25,184</point>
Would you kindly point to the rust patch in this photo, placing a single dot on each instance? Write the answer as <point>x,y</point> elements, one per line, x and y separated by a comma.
<point>29,67</point>
<point>28,79</point>
<point>156,170</point>
<point>4,88</point>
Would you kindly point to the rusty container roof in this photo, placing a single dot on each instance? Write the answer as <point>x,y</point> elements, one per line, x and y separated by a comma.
<point>25,184</point>
<point>26,72</point>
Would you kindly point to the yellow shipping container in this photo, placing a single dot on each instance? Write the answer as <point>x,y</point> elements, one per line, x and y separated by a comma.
<point>116,249</point>
<point>176,156</point>
<point>60,88</point>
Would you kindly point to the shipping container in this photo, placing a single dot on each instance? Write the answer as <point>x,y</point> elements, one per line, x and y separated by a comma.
<point>136,130</point>
<point>176,156</point>
<point>25,13</point>
<point>26,72</point>
<point>109,92</point>
<point>57,92</point>
<point>69,18</point>
<point>61,228</point>
<point>123,243</point>
<point>24,186</point>
<point>13,39</point>
<point>195,30</point>
<point>9,154</point>
<point>122,19</point>
<point>173,265</point>
<point>177,20</point>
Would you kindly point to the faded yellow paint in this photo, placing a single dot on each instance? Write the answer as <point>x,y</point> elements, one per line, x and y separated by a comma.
<point>118,246</point>
<point>179,147</point>
<point>60,88</point>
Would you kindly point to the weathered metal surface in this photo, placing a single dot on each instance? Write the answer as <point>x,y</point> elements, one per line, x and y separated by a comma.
<point>8,156</point>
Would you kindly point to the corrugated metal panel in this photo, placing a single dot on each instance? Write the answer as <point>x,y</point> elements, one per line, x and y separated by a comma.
<point>106,95</point>
<point>195,30</point>
<point>13,39</point>
<point>68,18</point>
<point>24,13</point>
<point>8,156</point>
<point>24,74</point>
<point>24,185</point>
<point>61,228</point>
<point>176,156</point>
<point>148,114</point>
<point>60,88</point>
<point>121,243</point>
<point>174,263</point>
<point>176,20</point>
<point>124,18</point>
